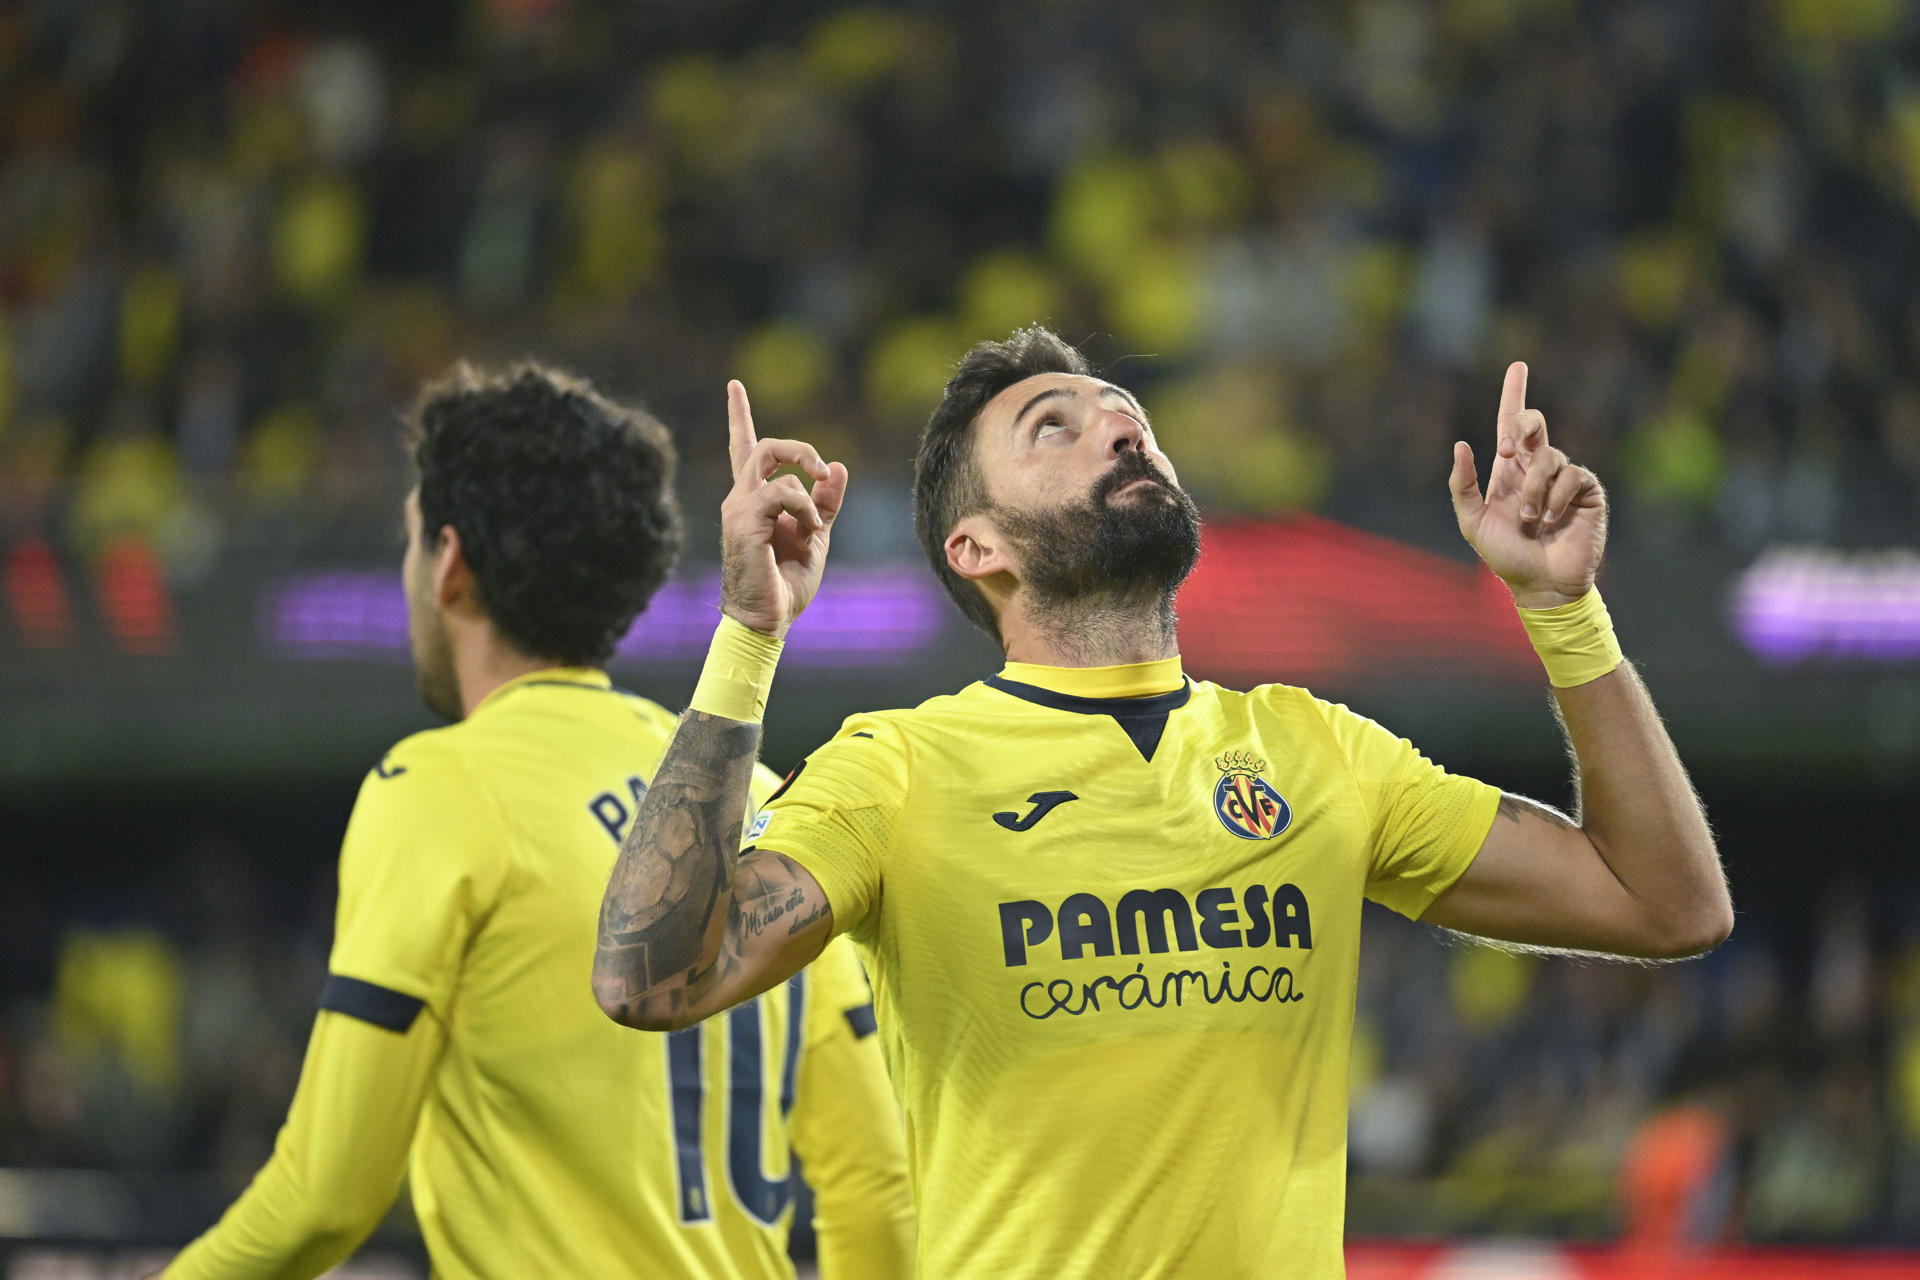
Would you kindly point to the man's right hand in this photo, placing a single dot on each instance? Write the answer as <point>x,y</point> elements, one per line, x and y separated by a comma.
<point>773,532</point>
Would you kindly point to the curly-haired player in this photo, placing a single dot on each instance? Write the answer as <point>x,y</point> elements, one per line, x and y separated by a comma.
<point>456,1040</point>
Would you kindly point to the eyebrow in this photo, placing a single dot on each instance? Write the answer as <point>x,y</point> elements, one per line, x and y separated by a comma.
<point>1051,393</point>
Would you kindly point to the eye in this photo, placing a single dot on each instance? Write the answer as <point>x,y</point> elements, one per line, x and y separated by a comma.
<point>1048,426</point>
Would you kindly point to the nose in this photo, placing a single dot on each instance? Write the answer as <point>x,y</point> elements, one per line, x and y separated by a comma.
<point>1121,433</point>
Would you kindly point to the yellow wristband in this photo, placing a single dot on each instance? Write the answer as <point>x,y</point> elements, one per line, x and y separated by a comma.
<point>739,671</point>
<point>1575,641</point>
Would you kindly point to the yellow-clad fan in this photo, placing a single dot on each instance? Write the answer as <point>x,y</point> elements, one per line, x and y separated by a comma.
<point>1112,913</point>
<point>457,1040</point>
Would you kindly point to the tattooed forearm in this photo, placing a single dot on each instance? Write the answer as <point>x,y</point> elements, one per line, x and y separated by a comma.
<point>664,918</point>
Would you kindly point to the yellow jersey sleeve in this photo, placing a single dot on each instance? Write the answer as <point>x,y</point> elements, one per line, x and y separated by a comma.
<point>421,866</point>
<point>337,1163</point>
<point>847,1131</point>
<point>1425,825</point>
<point>838,815</point>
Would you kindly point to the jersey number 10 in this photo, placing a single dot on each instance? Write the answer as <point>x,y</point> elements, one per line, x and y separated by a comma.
<point>763,1198</point>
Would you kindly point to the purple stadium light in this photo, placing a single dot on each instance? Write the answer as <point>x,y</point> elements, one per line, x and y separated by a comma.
<point>336,615</point>
<point>861,617</point>
<point>1798,604</point>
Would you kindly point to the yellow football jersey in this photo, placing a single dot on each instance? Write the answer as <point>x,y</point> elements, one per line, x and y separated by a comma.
<point>550,1141</point>
<point>1112,919</point>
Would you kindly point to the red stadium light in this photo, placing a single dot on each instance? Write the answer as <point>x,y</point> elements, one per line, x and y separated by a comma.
<point>36,593</point>
<point>1304,600</point>
<point>1549,1260</point>
<point>133,597</point>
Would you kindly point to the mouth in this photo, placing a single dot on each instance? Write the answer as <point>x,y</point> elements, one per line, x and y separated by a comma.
<point>1136,483</point>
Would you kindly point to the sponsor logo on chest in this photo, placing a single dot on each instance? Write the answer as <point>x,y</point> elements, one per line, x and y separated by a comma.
<point>1228,920</point>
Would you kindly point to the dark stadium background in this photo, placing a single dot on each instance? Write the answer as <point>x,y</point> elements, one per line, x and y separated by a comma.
<point>235,236</point>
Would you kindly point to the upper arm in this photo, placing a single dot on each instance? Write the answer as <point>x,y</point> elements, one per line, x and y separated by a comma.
<point>838,816</point>
<point>1423,824</point>
<point>1540,881</point>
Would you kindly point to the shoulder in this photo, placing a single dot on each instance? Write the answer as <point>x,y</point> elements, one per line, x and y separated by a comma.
<point>1274,699</point>
<point>868,762</point>
<point>974,708</point>
<point>431,752</point>
<point>650,712</point>
<point>427,819</point>
<point>1288,714</point>
<point>879,748</point>
<point>898,732</point>
<point>433,772</point>
<point>871,740</point>
<point>886,731</point>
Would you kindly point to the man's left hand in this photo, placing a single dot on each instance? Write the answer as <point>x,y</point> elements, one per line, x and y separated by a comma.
<point>1541,526</point>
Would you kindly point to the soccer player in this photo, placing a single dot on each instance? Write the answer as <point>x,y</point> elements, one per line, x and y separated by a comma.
<point>456,1039</point>
<point>1111,913</point>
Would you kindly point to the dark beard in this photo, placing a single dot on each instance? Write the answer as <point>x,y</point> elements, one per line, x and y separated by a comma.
<point>440,691</point>
<point>1094,552</point>
<point>435,677</point>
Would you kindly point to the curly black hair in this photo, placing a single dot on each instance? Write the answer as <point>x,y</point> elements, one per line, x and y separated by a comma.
<point>563,500</point>
<point>947,484</point>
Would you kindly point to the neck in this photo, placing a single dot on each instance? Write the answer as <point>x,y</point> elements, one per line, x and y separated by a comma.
<point>482,662</point>
<point>1100,632</point>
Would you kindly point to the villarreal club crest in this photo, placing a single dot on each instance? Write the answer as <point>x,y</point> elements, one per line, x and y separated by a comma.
<point>1245,802</point>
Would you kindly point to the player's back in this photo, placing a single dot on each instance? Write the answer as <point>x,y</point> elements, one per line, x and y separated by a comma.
<point>554,1142</point>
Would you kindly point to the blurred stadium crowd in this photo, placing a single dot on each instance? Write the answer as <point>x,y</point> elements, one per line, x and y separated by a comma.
<point>233,239</point>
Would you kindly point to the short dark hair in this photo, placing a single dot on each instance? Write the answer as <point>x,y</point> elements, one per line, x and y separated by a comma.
<point>563,500</point>
<point>947,483</point>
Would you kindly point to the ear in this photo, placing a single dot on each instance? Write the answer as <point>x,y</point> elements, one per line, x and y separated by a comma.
<point>975,551</point>
<point>452,579</point>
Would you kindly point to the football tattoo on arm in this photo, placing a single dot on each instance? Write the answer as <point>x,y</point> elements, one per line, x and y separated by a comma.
<point>689,925</point>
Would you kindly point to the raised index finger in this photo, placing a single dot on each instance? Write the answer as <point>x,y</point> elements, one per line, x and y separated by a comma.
<point>1513,396</point>
<point>740,437</point>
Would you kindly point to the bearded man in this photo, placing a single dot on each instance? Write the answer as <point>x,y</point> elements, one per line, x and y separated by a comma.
<point>1111,913</point>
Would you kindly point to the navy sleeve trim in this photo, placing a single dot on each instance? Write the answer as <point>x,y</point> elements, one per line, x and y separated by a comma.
<point>369,1002</point>
<point>785,783</point>
<point>861,1020</point>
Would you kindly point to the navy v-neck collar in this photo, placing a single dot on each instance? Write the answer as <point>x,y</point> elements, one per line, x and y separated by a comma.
<point>1144,720</point>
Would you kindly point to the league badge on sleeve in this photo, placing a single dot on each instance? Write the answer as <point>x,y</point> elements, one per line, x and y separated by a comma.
<point>1246,803</point>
